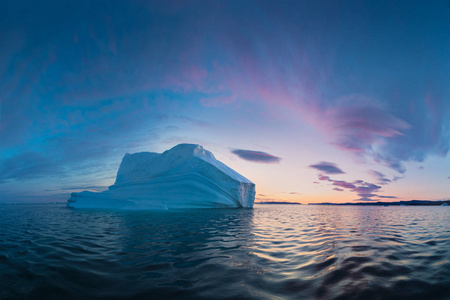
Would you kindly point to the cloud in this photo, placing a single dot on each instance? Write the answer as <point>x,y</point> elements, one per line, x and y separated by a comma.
<point>256,156</point>
<point>327,167</point>
<point>370,127</point>
<point>324,178</point>
<point>343,184</point>
<point>294,193</point>
<point>364,126</point>
<point>380,177</point>
<point>395,178</point>
<point>365,190</point>
<point>358,121</point>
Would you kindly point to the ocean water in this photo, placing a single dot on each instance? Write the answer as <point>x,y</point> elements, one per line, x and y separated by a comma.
<point>269,252</point>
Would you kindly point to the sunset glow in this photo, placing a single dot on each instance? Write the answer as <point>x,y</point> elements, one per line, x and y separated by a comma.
<point>314,101</point>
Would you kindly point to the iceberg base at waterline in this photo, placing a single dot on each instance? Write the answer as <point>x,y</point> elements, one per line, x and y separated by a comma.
<point>186,176</point>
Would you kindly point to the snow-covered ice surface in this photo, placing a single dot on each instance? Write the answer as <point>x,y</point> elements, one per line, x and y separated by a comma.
<point>186,176</point>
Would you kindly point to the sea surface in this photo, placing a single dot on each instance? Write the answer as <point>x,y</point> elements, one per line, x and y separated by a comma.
<point>269,252</point>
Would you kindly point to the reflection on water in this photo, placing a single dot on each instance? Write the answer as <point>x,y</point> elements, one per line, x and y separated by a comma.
<point>270,252</point>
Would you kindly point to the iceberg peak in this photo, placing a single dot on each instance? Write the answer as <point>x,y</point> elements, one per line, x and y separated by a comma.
<point>184,176</point>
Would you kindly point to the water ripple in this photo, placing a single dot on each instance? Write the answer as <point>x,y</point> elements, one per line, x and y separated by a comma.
<point>270,252</point>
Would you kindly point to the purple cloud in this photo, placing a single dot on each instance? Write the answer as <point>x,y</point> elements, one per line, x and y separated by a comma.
<point>343,184</point>
<point>365,190</point>
<point>327,167</point>
<point>256,156</point>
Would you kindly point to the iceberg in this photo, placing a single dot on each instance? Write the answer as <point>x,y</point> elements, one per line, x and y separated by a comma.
<point>186,176</point>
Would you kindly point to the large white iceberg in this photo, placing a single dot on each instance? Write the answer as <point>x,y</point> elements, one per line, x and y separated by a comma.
<point>186,176</point>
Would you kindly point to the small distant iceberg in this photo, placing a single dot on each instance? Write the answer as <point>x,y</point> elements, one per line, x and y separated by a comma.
<point>444,204</point>
<point>186,176</point>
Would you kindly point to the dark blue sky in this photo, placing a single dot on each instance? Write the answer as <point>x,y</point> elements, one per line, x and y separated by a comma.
<point>359,85</point>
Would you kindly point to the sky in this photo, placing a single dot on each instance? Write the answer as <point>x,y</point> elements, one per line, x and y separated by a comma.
<point>314,101</point>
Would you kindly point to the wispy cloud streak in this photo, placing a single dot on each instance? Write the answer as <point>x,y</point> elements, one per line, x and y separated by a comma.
<point>380,177</point>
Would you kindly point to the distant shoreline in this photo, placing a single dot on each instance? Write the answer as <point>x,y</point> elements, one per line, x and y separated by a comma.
<point>399,203</point>
<point>278,202</point>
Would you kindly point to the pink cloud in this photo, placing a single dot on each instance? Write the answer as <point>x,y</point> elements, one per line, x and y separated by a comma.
<point>324,178</point>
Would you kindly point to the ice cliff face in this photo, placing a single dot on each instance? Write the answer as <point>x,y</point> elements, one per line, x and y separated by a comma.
<point>186,176</point>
